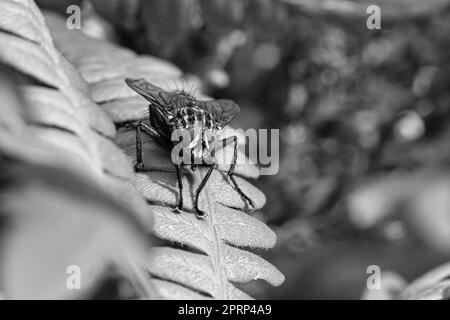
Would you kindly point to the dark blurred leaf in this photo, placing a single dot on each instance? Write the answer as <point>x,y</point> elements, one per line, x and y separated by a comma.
<point>227,14</point>
<point>266,17</point>
<point>120,12</point>
<point>168,23</point>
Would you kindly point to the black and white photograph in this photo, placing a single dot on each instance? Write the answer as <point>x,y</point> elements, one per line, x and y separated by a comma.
<point>246,151</point>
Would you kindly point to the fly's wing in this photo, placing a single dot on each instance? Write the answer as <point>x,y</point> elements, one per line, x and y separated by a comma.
<point>144,88</point>
<point>160,108</point>
<point>222,110</point>
<point>154,94</point>
<point>161,125</point>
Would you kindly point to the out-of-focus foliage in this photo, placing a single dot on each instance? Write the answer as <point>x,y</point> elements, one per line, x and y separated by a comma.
<point>392,9</point>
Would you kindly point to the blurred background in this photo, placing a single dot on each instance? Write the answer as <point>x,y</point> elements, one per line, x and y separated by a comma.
<point>363,116</point>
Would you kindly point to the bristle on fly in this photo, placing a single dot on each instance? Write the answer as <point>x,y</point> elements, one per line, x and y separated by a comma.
<point>186,88</point>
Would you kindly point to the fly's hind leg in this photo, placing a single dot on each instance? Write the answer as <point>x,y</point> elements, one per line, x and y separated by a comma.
<point>222,144</point>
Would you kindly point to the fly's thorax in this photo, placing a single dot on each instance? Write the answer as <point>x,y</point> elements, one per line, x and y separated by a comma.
<point>193,116</point>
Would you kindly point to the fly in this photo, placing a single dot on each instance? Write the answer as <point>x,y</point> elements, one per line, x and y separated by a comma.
<point>169,111</point>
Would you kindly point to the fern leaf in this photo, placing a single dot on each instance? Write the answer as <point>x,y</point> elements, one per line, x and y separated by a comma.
<point>214,253</point>
<point>66,128</point>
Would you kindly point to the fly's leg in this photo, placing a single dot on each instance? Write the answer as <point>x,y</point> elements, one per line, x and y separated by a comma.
<point>222,144</point>
<point>180,189</point>
<point>200,213</point>
<point>142,126</point>
<point>140,167</point>
<point>193,166</point>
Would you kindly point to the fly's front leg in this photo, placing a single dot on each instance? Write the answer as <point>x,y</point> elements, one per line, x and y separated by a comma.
<point>222,144</point>
<point>200,213</point>
<point>193,167</point>
<point>142,126</point>
<point>140,167</point>
<point>180,189</point>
